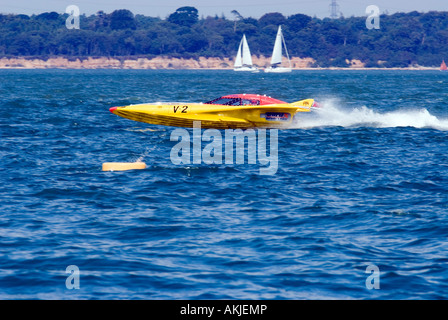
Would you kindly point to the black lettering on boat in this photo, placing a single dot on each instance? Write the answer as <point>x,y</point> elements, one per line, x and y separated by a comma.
<point>185,108</point>
<point>175,108</point>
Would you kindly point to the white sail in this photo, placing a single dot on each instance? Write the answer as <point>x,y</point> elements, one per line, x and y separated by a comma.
<point>277,52</point>
<point>243,60</point>
<point>238,61</point>
<point>247,59</point>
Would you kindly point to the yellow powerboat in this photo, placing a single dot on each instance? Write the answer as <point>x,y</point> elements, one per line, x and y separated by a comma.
<point>235,111</point>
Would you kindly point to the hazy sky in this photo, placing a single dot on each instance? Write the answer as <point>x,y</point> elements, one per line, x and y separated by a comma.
<point>247,8</point>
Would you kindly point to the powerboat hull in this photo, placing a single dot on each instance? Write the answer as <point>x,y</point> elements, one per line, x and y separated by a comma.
<point>279,115</point>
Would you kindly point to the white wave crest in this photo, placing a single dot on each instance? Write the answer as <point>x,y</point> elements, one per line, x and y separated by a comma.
<point>330,114</point>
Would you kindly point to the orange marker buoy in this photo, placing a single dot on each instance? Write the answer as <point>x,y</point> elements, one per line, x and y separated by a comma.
<point>122,166</point>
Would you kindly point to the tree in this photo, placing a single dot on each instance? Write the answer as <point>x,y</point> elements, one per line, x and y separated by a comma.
<point>193,42</point>
<point>273,18</point>
<point>238,17</point>
<point>122,19</point>
<point>297,22</point>
<point>48,16</point>
<point>184,16</point>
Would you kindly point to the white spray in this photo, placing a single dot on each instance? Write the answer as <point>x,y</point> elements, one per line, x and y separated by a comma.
<point>332,114</point>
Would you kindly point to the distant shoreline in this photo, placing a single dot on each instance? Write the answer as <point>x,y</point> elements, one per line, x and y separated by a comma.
<point>163,63</point>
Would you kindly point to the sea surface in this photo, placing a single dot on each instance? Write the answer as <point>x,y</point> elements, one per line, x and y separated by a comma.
<point>357,208</point>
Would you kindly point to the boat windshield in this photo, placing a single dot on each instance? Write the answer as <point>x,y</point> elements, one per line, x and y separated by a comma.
<point>234,102</point>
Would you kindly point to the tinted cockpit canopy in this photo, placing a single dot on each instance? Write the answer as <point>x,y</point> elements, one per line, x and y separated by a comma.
<point>244,100</point>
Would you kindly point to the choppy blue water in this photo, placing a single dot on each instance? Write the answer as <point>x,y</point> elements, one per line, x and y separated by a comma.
<point>363,182</point>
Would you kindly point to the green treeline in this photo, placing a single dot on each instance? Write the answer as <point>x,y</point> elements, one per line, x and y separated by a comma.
<point>403,38</point>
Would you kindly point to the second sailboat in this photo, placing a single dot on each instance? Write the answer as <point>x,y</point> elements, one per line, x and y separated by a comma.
<point>277,55</point>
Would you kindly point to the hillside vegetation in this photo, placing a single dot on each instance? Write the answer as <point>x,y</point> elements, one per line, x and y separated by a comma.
<point>403,39</point>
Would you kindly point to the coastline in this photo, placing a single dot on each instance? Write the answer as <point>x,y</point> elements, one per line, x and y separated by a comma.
<point>161,62</point>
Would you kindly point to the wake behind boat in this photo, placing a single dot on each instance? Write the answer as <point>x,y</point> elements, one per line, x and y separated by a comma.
<point>233,111</point>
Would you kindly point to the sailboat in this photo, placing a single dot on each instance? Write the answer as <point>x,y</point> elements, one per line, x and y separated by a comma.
<point>443,66</point>
<point>243,60</point>
<point>277,55</point>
